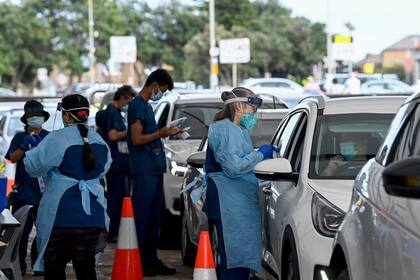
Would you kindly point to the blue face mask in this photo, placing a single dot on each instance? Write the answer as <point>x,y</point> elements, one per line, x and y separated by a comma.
<point>248,121</point>
<point>348,150</point>
<point>157,96</point>
<point>35,121</point>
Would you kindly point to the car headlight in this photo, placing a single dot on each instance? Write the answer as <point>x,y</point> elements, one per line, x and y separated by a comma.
<point>326,217</point>
<point>178,169</point>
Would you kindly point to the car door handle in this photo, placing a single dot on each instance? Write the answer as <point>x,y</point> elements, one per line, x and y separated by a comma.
<point>267,190</point>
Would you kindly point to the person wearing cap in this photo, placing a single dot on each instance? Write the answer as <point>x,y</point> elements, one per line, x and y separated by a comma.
<point>232,203</point>
<point>27,190</point>
<point>114,132</point>
<point>72,218</point>
<point>147,164</point>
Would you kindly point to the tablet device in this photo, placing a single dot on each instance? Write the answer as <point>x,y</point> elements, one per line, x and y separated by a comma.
<point>178,122</point>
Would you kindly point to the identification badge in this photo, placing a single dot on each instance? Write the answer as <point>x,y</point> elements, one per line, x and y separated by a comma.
<point>41,184</point>
<point>122,147</point>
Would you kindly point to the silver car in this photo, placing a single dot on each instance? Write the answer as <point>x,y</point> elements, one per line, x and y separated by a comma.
<point>194,220</point>
<point>380,235</point>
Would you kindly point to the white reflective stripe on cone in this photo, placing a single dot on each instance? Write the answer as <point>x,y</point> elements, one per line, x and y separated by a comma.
<point>204,274</point>
<point>127,238</point>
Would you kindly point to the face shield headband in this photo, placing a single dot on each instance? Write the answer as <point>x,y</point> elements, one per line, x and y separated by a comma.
<point>251,100</point>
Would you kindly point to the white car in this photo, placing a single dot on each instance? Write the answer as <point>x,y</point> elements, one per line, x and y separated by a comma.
<point>379,238</point>
<point>278,83</point>
<point>385,86</point>
<point>306,188</point>
<point>199,109</point>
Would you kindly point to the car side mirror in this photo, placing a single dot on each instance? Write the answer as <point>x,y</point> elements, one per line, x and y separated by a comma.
<point>197,160</point>
<point>402,178</point>
<point>278,169</point>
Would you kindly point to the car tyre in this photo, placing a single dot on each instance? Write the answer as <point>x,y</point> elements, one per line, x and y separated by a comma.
<point>188,249</point>
<point>343,275</point>
<point>290,265</point>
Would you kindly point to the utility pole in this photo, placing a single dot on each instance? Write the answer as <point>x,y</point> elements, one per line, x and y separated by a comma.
<point>329,57</point>
<point>91,41</point>
<point>214,51</point>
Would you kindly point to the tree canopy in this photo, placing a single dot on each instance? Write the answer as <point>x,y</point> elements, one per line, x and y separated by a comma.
<point>55,32</point>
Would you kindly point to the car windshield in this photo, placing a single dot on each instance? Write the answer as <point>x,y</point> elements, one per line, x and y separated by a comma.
<point>199,117</point>
<point>344,143</point>
<point>263,131</point>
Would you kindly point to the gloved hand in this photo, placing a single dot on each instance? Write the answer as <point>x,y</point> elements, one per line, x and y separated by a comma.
<point>267,150</point>
<point>30,141</point>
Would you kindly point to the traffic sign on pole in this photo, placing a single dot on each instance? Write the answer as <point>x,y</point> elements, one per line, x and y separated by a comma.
<point>123,49</point>
<point>235,51</point>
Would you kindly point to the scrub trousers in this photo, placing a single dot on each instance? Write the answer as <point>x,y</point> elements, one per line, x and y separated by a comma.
<point>78,245</point>
<point>148,204</point>
<point>23,245</point>
<point>117,188</point>
<point>213,210</point>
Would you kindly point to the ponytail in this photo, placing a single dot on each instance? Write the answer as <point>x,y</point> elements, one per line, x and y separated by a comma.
<point>89,160</point>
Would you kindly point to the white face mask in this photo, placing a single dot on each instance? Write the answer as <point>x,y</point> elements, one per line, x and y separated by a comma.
<point>35,121</point>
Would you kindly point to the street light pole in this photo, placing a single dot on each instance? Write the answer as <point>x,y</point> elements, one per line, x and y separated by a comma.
<point>329,58</point>
<point>214,53</point>
<point>91,41</point>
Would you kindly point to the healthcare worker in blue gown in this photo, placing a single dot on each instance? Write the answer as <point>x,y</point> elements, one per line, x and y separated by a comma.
<point>72,217</point>
<point>232,202</point>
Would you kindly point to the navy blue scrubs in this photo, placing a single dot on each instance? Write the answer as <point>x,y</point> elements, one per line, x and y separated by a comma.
<point>27,193</point>
<point>212,209</point>
<point>118,175</point>
<point>147,164</point>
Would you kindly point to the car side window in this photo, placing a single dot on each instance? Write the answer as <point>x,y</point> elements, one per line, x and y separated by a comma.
<point>408,144</point>
<point>296,153</point>
<point>284,140</point>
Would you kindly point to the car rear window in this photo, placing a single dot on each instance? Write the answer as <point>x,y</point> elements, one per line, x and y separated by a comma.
<point>344,143</point>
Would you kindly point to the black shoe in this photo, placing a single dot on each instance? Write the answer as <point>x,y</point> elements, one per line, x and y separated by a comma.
<point>162,269</point>
<point>37,273</point>
<point>149,271</point>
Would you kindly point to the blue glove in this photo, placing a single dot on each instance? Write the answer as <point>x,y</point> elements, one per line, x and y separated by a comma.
<point>30,141</point>
<point>267,150</point>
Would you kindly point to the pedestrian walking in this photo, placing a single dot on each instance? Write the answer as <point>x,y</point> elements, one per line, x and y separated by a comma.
<point>148,163</point>
<point>72,215</point>
<point>232,202</point>
<point>114,132</point>
<point>28,190</point>
<point>352,84</point>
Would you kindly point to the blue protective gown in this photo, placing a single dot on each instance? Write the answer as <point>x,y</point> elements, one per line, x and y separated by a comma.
<point>238,193</point>
<point>45,160</point>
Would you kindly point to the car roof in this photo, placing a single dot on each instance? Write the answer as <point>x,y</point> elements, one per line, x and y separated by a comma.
<point>355,105</point>
<point>272,114</point>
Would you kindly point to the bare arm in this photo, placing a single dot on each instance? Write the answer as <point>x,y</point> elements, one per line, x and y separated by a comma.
<point>17,155</point>
<point>115,135</point>
<point>138,138</point>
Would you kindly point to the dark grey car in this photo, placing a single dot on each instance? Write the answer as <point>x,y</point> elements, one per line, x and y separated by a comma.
<point>194,220</point>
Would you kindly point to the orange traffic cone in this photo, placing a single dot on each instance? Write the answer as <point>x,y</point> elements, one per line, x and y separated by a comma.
<point>127,265</point>
<point>204,263</point>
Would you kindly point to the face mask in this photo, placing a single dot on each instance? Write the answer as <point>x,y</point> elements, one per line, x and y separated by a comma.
<point>35,121</point>
<point>248,121</point>
<point>124,108</point>
<point>157,96</point>
<point>348,150</point>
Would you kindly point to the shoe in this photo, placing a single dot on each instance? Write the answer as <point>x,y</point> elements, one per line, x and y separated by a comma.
<point>162,269</point>
<point>149,271</point>
<point>37,273</point>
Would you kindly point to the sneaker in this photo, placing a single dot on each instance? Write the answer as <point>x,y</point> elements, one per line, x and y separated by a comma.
<point>149,271</point>
<point>162,269</point>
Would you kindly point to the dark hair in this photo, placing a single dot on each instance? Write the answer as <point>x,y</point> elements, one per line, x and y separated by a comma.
<point>161,77</point>
<point>125,92</point>
<point>334,81</point>
<point>228,111</point>
<point>80,117</point>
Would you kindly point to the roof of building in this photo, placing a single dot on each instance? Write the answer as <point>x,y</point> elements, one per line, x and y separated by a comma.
<point>407,43</point>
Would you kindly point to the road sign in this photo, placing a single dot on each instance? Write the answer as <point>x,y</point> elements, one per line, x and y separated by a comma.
<point>235,51</point>
<point>42,74</point>
<point>368,68</point>
<point>123,49</point>
<point>342,39</point>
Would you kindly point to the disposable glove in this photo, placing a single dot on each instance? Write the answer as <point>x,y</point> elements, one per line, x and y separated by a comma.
<point>30,141</point>
<point>267,150</point>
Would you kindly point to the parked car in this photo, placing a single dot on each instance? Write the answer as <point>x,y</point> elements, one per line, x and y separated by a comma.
<point>278,83</point>
<point>199,109</point>
<point>379,238</point>
<point>386,86</point>
<point>5,92</point>
<point>194,220</point>
<point>342,78</point>
<point>306,188</point>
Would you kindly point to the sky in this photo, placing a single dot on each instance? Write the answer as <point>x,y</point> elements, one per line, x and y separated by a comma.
<point>378,23</point>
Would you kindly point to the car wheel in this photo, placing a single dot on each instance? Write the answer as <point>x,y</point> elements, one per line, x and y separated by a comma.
<point>290,265</point>
<point>188,249</point>
<point>344,275</point>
